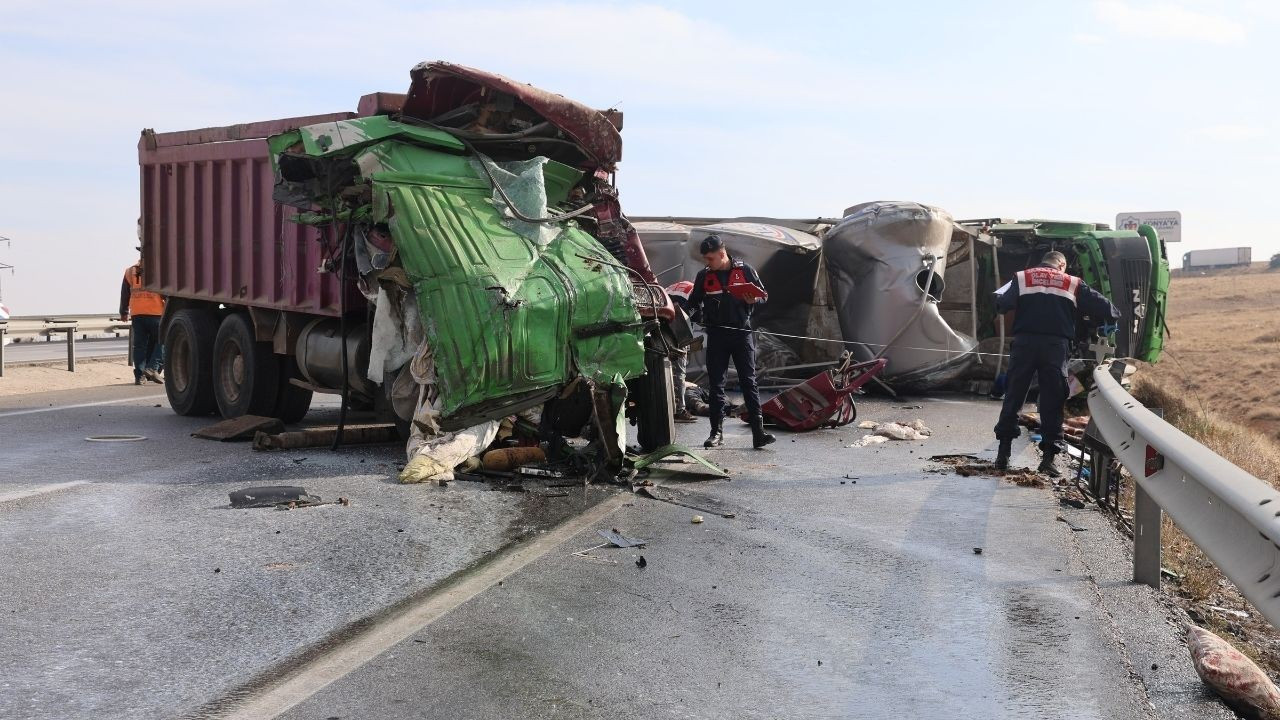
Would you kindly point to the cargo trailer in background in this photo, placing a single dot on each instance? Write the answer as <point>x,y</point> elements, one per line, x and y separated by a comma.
<point>1217,258</point>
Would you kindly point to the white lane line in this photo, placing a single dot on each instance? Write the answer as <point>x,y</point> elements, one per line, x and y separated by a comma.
<point>303,682</point>
<point>39,490</point>
<point>14,413</point>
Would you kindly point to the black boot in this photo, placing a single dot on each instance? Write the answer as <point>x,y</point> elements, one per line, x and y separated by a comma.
<point>1002,455</point>
<point>716,438</point>
<point>1047,466</point>
<point>759,438</point>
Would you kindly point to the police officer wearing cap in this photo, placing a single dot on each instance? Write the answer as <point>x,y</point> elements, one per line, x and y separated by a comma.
<point>1047,301</point>
<point>724,294</point>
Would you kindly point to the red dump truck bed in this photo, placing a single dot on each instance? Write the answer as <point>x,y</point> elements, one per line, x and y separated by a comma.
<point>210,229</point>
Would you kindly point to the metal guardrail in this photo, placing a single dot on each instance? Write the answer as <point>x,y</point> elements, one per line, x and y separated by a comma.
<point>1233,516</point>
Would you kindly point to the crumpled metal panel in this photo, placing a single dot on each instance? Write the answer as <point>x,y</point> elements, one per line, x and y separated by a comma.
<point>877,261</point>
<point>437,87</point>
<point>506,320</point>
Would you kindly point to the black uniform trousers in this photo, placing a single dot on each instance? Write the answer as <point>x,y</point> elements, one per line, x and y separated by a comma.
<point>1045,357</point>
<point>724,345</point>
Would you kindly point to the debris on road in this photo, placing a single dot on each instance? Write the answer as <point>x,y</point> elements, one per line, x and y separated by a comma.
<point>1232,675</point>
<point>882,432</point>
<point>868,425</point>
<point>513,457</point>
<point>977,551</point>
<point>322,437</point>
<point>653,494</point>
<point>271,495</point>
<point>665,454</point>
<point>641,562</point>
<point>116,438</point>
<point>1074,527</point>
<point>696,519</point>
<point>965,466</point>
<point>617,539</point>
<point>245,427</point>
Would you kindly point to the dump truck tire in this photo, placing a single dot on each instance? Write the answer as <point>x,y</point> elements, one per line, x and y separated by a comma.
<point>294,402</point>
<point>246,373</point>
<point>188,376</point>
<point>655,426</point>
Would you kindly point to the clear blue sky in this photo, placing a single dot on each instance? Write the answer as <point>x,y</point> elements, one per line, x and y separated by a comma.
<point>1070,110</point>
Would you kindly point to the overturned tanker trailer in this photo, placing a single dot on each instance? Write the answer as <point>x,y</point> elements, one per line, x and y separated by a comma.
<point>453,256</point>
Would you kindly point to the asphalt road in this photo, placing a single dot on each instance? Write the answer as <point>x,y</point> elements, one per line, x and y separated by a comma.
<point>42,351</point>
<point>131,590</point>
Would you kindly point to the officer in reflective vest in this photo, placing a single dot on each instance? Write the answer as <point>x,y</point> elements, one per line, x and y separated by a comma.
<point>724,294</point>
<point>1048,301</point>
<point>142,308</point>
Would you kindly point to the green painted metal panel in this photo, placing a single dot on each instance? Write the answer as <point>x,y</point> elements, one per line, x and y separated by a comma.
<point>1153,334</point>
<point>505,318</point>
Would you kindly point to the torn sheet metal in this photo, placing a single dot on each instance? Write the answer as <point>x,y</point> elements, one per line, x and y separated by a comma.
<point>669,451</point>
<point>617,539</point>
<point>272,495</point>
<point>879,259</point>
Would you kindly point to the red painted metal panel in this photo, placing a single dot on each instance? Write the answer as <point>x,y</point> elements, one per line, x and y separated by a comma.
<point>211,230</point>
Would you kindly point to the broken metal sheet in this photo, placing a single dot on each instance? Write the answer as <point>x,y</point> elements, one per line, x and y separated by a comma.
<point>668,451</point>
<point>506,316</point>
<point>272,495</point>
<point>617,539</point>
<point>438,87</point>
<point>880,258</point>
<point>240,428</point>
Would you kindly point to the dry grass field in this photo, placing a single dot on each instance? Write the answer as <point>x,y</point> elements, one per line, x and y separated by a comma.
<point>1219,382</point>
<point>1224,346</point>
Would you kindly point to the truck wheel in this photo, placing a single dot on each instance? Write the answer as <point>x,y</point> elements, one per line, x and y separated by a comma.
<point>246,373</point>
<point>188,376</point>
<point>294,402</point>
<point>655,426</point>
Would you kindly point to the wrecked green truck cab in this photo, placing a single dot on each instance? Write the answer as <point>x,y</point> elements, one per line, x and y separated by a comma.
<point>512,311</point>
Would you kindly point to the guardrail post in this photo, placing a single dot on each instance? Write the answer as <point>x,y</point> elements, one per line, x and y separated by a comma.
<point>1146,538</point>
<point>71,349</point>
<point>4,330</point>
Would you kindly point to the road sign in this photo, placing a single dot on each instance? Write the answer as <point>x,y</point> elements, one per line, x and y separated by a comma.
<point>1168,223</point>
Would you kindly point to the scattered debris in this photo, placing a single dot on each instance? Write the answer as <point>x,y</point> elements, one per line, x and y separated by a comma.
<point>666,452</point>
<point>1074,527</point>
<point>115,438</point>
<point>617,539</point>
<point>977,551</point>
<point>955,458</point>
<point>868,425</point>
<point>1233,676</point>
<point>1228,611</point>
<point>1072,502</point>
<point>869,440</point>
<point>653,494</point>
<point>641,562</point>
<point>512,458</point>
<point>323,437</point>
<point>283,497</point>
<point>586,554</point>
<point>696,519</point>
<point>244,427</point>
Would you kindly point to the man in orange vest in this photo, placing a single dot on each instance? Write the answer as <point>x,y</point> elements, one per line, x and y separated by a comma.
<point>143,309</point>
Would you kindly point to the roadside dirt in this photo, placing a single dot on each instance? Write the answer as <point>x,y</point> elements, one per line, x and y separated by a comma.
<point>26,379</point>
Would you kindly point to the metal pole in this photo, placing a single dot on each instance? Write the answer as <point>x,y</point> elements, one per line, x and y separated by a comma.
<point>71,349</point>
<point>4,330</point>
<point>1146,538</point>
<point>973,295</point>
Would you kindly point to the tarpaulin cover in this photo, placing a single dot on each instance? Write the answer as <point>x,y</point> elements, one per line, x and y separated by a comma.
<point>877,259</point>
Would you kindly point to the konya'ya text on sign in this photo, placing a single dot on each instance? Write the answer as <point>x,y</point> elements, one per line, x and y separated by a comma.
<point>1167,223</point>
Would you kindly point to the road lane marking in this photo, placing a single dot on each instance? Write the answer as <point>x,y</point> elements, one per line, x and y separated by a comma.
<point>14,413</point>
<point>40,490</point>
<point>300,683</point>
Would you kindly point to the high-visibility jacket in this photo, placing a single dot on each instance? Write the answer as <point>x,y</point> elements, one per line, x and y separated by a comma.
<point>1048,301</point>
<point>137,301</point>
